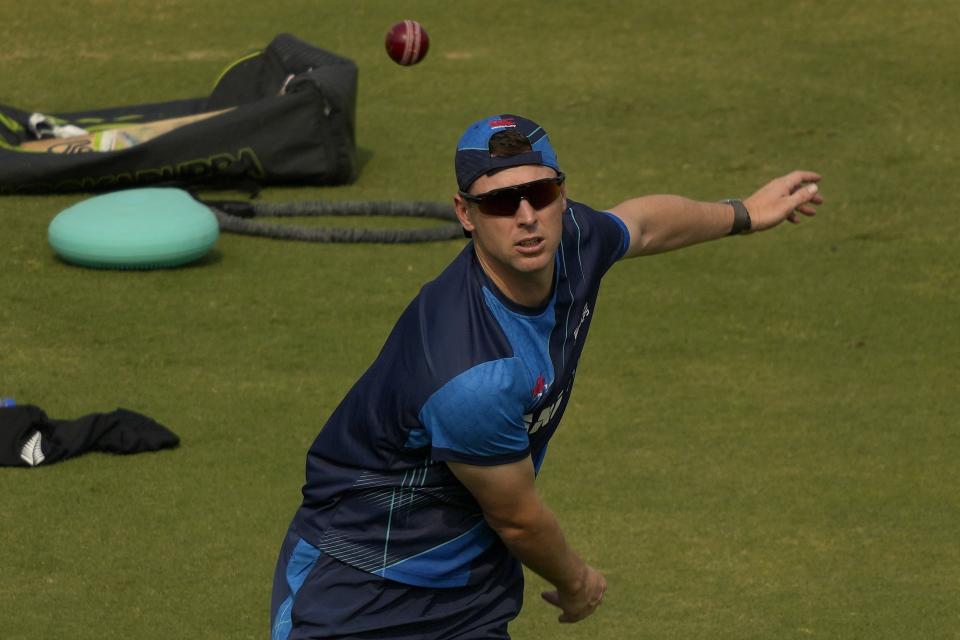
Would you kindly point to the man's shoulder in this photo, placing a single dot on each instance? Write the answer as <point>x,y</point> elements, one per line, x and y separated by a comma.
<point>588,227</point>
<point>578,213</point>
<point>444,301</point>
<point>453,326</point>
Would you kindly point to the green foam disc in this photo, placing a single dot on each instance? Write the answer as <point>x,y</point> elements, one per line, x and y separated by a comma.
<point>134,229</point>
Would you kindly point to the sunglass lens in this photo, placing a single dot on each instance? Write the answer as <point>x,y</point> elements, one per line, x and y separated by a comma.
<point>541,194</point>
<point>502,203</point>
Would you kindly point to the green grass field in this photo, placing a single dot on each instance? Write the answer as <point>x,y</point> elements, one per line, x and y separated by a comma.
<point>763,441</point>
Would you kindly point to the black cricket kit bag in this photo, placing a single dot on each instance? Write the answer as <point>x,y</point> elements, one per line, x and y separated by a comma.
<point>284,115</point>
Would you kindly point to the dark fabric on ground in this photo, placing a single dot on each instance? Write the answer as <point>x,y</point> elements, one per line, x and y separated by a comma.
<point>120,431</point>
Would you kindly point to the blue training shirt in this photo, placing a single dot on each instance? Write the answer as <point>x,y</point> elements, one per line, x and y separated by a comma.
<point>466,375</point>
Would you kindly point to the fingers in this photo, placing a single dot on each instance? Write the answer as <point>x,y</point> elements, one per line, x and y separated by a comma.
<point>552,597</point>
<point>598,599</point>
<point>575,612</point>
<point>799,177</point>
<point>785,198</point>
<point>810,190</point>
<point>568,617</point>
<point>804,194</point>
<point>801,185</point>
<point>803,200</point>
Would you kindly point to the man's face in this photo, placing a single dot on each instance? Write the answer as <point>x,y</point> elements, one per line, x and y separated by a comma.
<point>522,244</point>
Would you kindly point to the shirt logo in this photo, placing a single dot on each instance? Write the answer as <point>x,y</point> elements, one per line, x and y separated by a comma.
<point>503,122</point>
<point>539,387</point>
<point>534,422</point>
<point>583,316</point>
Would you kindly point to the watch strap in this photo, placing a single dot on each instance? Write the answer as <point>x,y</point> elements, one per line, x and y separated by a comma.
<point>741,217</point>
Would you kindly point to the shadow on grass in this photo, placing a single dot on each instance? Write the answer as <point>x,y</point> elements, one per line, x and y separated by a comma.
<point>364,156</point>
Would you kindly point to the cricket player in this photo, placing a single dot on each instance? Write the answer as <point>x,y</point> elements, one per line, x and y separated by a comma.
<point>420,503</point>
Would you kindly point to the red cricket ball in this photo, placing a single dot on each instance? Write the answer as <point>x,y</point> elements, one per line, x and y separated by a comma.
<point>407,42</point>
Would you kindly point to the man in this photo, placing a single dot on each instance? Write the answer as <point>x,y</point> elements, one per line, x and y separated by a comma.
<point>420,503</point>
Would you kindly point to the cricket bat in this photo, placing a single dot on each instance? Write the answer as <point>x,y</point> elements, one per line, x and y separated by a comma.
<point>115,139</point>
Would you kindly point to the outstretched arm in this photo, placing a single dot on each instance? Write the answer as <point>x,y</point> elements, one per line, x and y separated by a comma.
<point>513,508</point>
<point>662,223</point>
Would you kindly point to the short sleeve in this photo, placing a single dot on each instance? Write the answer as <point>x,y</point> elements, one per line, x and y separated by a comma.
<point>601,237</point>
<point>477,417</point>
<point>619,239</point>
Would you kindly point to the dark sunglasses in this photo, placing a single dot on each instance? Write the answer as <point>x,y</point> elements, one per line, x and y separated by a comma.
<point>506,201</point>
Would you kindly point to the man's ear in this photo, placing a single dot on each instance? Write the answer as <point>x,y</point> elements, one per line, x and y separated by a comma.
<point>463,212</point>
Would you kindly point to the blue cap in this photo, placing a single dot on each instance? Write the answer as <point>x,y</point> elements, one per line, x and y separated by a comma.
<point>473,151</point>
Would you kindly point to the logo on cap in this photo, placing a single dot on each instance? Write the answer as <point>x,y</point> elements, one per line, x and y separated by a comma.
<point>503,122</point>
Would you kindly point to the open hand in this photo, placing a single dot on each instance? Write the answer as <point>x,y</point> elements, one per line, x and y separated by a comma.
<point>782,198</point>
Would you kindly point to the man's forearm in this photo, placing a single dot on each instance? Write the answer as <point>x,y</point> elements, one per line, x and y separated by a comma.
<point>540,545</point>
<point>662,222</point>
<point>513,508</point>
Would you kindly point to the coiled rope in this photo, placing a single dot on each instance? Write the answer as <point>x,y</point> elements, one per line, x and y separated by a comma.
<point>238,216</point>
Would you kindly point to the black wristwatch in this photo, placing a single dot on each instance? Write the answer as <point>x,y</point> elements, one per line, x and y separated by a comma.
<point>741,217</point>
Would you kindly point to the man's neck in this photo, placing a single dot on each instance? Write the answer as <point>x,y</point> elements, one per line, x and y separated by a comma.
<point>525,289</point>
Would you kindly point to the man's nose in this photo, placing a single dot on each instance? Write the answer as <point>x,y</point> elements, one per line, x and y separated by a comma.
<point>526,215</point>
